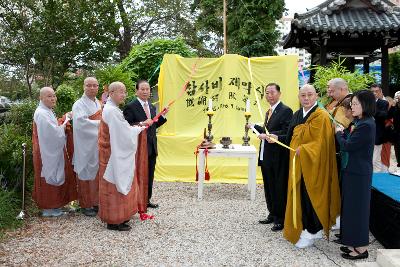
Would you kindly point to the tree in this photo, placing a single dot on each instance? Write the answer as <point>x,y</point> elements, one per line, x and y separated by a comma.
<point>46,38</point>
<point>143,21</point>
<point>250,25</point>
<point>394,69</point>
<point>144,59</point>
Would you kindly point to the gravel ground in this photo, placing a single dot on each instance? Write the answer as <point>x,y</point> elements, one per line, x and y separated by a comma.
<point>221,230</point>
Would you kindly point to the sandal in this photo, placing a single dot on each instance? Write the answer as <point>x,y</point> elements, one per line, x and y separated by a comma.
<point>345,249</point>
<point>359,255</point>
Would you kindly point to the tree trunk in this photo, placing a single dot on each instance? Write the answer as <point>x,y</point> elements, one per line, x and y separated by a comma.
<point>125,39</point>
<point>28,82</point>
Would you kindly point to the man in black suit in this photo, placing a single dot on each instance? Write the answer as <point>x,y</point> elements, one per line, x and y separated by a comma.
<point>381,113</point>
<point>141,112</point>
<point>273,158</point>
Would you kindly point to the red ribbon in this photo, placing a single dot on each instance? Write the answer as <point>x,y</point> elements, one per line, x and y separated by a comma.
<point>145,216</point>
<point>206,172</point>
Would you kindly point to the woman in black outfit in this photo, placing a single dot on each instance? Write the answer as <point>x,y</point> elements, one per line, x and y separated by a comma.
<point>357,176</point>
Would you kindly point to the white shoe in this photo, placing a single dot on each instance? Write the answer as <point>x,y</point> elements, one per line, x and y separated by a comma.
<point>337,225</point>
<point>304,242</point>
<point>306,234</point>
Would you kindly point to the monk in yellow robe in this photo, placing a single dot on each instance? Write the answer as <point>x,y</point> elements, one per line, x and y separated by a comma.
<point>313,201</point>
<point>339,90</point>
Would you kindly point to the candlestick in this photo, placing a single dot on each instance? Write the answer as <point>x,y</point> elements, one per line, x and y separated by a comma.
<point>246,137</point>
<point>209,136</point>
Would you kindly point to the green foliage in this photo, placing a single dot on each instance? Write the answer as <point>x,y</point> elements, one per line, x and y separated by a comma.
<point>250,24</point>
<point>113,74</point>
<point>21,115</point>
<point>66,97</point>
<point>9,208</point>
<point>144,59</point>
<point>46,38</point>
<point>13,134</point>
<point>394,68</point>
<point>356,80</point>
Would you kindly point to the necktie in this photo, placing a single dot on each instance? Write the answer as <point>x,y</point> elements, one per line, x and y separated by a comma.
<point>269,114</point>
<point>146,110</point>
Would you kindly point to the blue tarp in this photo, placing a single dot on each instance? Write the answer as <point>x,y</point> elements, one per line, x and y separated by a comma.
<point>387,184</point>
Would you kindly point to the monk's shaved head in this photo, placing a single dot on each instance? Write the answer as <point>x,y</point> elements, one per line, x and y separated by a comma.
<point>117,92</point>
<point>45,90</point>
<point>91,87</point>
<point>338,89</point>
<point>307,87</point>
<point>307,96</point>
<point>48,97</point>
<point>115,86</point>
<point>89,79</point>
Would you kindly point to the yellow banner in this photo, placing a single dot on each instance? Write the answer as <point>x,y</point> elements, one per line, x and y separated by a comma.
<point>229,81</point>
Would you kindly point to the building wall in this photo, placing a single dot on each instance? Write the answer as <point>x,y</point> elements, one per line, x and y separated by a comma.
<point>283,26</point>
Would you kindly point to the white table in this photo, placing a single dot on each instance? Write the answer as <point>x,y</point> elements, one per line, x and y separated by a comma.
<point>234,151</point>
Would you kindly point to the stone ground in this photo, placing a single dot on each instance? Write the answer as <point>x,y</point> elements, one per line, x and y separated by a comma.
<point>221,230</point>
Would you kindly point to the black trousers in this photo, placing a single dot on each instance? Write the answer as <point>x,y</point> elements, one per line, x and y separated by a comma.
<point>275,190</point>
<point>152,166</point>
<point>310,219</point>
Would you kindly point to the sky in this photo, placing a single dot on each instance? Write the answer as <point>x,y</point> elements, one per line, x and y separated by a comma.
<point>299,6</point>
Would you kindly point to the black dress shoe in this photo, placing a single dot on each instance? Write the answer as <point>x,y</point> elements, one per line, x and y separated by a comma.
<point>338,241</point>
<point>277,227</point>
<point>119,227</point>
<point>267,221</point>
<point>152,205</point>
<point>345,249</point>
<point>338,236</point>
<point>359,256</point>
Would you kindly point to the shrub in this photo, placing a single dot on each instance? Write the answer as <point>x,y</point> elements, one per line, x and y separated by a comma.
<point>394,69</point>
<point>21,115</point>
<point>145,58</point>
<point>66,97</point>
<point>113,74</point>
<point>356,80</point>
<point>9,208</point>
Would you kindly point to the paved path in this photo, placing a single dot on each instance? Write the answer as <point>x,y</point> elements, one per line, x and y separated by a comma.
<point>222,229</point>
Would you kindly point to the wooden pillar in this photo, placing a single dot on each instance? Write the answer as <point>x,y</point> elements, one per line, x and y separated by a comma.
<point>312,71</point>
<point>366,65</point>
<point>322,54</point>
<point>385,70</point>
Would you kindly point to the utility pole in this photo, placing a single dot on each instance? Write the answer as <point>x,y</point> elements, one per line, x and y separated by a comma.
<point>224,18</point>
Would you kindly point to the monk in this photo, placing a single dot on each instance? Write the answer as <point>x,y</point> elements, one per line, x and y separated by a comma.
<point>339,91</point>
<point>313,201</point>
<point>123,164</point>
<point>86,117</point>
<point>54,179</point>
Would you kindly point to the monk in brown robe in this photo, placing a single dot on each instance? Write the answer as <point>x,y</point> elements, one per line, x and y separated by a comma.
<point>86,117</point>
<point>313,201</point>
<point>123,164</point>
<point>54,178</point>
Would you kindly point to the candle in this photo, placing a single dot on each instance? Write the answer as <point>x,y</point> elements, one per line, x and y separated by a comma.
<point>248,105</point>
<point>210,104</point>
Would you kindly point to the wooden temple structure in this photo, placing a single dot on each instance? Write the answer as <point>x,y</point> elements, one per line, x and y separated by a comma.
<point>358,30</point>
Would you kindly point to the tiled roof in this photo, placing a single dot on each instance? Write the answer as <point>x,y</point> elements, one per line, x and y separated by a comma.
<point>335,15</point>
